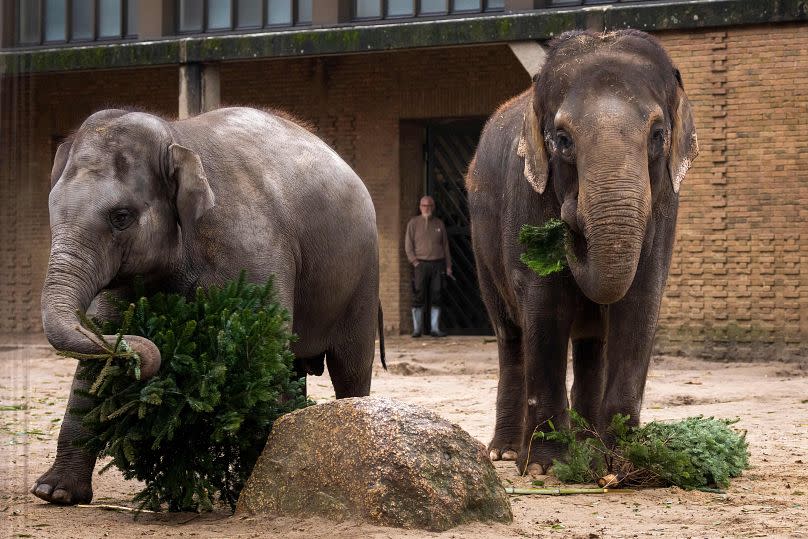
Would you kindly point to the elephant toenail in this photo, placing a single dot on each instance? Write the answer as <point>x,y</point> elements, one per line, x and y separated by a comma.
<point>535,469</point>
<point>42,490</point>
<point>494,454</point>
<point>61,496</point>
<point>509,455</point>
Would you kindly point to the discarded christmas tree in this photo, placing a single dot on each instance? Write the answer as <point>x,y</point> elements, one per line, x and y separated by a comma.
<point>694,453</point>
<point>193,432</point>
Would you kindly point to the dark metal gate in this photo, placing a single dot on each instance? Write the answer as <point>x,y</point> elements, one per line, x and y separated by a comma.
<point>450,148</point>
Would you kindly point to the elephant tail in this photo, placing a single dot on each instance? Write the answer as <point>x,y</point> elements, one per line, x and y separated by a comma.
<point>381,335</point>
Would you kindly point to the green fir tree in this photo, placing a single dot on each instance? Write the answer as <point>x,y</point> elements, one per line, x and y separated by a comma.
<point>694,453</point>
<point>194,431</point>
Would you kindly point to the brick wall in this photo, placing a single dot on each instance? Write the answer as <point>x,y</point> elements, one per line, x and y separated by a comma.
<point>739,281</point>
<point>737,287</point>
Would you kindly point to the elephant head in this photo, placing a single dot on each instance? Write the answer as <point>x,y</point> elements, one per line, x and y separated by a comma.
<point>124,200</point>
<point>610,130</point>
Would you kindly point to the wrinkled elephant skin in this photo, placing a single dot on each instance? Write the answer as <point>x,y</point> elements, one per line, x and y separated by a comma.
<point>193,203</point>
<point>602,140</point>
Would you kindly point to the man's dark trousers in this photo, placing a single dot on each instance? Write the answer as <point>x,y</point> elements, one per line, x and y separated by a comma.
<point>427,276</point>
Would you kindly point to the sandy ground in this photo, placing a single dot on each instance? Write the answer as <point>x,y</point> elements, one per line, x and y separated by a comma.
<point>457,378</point>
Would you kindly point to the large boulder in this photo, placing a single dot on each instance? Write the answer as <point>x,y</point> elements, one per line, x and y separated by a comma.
<point>376,460</point>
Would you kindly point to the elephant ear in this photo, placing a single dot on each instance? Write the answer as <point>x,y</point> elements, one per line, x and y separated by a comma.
<point>684,143</point>
<point>193,193</point>
<point>60,161</point>
<point>531,148</point>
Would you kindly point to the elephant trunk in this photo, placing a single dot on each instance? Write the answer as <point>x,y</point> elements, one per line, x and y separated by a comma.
<point>72,282</point>
<point>613,210</point>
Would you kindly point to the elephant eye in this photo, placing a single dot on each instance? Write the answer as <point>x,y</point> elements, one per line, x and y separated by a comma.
<point>565,144</point>
<point>657,141</point>
<point>121,218</point>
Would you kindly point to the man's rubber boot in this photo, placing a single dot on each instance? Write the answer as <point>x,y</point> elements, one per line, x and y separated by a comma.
<point>417,321</point>
<point>434,319</point>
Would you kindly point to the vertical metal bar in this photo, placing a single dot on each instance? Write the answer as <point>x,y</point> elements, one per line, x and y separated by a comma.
<point>429,183</point>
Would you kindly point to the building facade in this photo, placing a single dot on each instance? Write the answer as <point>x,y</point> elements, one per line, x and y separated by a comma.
<point>401,88</point>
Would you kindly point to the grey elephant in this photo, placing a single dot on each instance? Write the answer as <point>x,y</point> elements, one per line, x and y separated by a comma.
<point>602,140</point>
<point>192,203</point>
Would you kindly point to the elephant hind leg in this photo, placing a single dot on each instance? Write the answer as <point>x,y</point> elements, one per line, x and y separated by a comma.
<point>589,368</point>
<point>351,353</point>
<point>350,365</point>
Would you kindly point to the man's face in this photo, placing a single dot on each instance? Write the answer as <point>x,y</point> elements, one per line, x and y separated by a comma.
<point>427,206</point>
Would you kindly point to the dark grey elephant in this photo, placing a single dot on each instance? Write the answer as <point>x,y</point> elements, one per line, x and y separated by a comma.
<point>601,140</point>
<point>192,203</point>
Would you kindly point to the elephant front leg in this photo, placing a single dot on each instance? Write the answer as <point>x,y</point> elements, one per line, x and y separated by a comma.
<point>632,324</point>
<point>510,396</point>
<point>545,338</point>
<point>69,480</point>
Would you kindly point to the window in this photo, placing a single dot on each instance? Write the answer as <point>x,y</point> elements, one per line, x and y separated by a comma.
<point>46,22</point>
<point>249,14</point>
<point>279,12</point>
<point>56,20</point>
<point>388,9</point>
<point>109,18</point>
<point>82,18</point>
<point>220,15</point>
<point>195,16</point>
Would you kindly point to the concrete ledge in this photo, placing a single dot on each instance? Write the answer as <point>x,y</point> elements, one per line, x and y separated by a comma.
<point>534,25</point>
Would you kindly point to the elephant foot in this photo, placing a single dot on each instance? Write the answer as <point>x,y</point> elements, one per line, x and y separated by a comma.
<point>64,485</point>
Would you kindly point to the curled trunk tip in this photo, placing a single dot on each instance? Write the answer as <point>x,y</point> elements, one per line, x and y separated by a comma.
<point>150,358</point>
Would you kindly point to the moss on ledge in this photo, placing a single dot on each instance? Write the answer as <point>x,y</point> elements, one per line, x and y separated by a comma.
<point>499,28</point>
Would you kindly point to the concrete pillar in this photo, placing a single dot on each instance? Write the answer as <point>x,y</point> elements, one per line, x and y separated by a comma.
<point>330,13</point>
<point>530,54</point>
<point>156,18</point>
<point>190,90</point>
<point>210,87</point>
<point>199,89</point>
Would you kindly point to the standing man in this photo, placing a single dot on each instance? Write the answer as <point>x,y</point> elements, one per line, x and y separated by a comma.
<point>427,247</point>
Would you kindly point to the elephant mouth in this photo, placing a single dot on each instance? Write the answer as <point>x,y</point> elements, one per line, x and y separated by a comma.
<point>576,248</point>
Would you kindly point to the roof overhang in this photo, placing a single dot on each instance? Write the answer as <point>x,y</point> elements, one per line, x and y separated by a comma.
<point>488,29</point>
